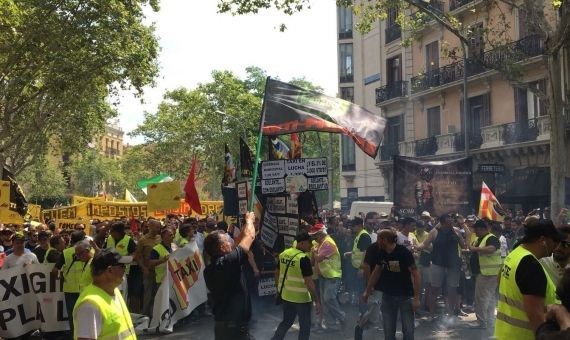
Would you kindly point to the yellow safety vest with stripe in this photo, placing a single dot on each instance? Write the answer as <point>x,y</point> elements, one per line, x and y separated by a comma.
<point>160,270</point>
<point>183,241</point>
<point>72,271</point>
<point>50,249</point>
<point>512,320</point>
<point>115,316</point>
<point>357,255</point>
<point>330,267</point>
<point>490,264</point>
<point>122,247</point>
<point>86,277</point>
<point>294,289</point>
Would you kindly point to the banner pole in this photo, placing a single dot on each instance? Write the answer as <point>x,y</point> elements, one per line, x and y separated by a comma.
<point>258,149</point>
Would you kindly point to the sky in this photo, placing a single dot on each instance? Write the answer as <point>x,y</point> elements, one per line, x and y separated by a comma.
<point>195,40</point>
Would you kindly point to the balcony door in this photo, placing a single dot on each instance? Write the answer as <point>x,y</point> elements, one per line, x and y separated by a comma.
<point>479,116</point>
<point>394,70</point>
<point>395,130</point>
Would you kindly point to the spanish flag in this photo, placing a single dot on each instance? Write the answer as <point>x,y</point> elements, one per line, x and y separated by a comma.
<point>489,207</point>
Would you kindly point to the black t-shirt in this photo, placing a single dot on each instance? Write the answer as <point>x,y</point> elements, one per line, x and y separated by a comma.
<point>30,246</point>
<point>226,282</point>
<point>474,259</point>
<point>54,256</point>
<point>530,277</point>
<point>306,268</point>
<point>371,258</point>
<point>40,253</point>
<point>396,278</point>
<point>363,242</point>
<point>445,249</point>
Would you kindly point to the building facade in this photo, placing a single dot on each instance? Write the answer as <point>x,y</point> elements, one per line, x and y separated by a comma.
<point>111,143</point>
<point>418,89</point>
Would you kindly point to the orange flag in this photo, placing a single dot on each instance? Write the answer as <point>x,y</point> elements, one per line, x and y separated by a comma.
<point>489,207</point>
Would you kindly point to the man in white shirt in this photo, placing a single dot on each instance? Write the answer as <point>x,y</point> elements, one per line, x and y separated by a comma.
<point>20,256</point>
<point>559,261</point>
<point>406,236</point>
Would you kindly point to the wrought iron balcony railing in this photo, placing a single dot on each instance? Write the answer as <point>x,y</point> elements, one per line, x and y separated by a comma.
<point>519,132</point>
<point>516,51</point>
<point>392,33</point>
<point>475,141</point>
<point>455,4</point>
<point>426,147</point>
<point>391,91</point>
<point>388,151</point>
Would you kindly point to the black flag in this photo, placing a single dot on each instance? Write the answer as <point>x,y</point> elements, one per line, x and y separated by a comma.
<point>245,159</point>
<point>18,201</point>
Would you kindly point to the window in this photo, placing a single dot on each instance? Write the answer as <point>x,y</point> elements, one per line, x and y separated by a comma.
<point>345,63</point>
<point>527,104</point>
<point>433,121</point>
<point>348,153</point>
<point>394,70</point>
<point>344,23</point>
<point>347,93</point>
<point>392,15</point>
<point>476,42</point>
<point>393,30</point>
<point>394,130</point>
<point>432,56</point>
<point>479,114</point>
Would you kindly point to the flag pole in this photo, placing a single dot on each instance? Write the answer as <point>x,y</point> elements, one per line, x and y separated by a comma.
<point>258,148</point>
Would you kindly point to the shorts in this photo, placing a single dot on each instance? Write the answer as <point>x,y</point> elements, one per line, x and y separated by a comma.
<point>450,275</point>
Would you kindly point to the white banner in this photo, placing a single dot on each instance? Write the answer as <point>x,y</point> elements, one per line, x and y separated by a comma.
<point>31,298</point>
<point>182,289</point>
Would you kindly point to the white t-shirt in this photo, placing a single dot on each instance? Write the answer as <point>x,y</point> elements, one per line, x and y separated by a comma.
<point>88,316</point>
<point>406,241</point>
<point>373,237</point>
<point>504,246</point>
<point>14,260</point>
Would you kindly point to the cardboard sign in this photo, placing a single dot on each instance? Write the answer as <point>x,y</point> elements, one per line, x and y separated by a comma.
<point>267,287</point>
<point>296,183</point>
<point>272,186</point>
<point>273,169</point>
<point>268,236</point>
<point>317,183</point>
<point>242,206</point>
<point>288,241</point>
<point>317,167</point>
<point>295,167</point>
<point>242,189</point>
<point>293,206</point>
<point>270,220</point>
<point>163,196</point>
<point>277,205</point>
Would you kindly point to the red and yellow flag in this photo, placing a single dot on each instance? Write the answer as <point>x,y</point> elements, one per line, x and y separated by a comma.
<point>489,207</point>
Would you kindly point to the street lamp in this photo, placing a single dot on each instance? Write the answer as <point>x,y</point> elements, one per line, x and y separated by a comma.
<point>239,123</point>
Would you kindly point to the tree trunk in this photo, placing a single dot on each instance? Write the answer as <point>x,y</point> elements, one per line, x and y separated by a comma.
<point>557,134</point>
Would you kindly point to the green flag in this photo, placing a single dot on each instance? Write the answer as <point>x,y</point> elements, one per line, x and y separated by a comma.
<point>144,183</point>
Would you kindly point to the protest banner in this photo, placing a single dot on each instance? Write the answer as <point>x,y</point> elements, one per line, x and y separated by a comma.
<point>75,200</point>
<point>68,212</point>
<point>32,298</point>
<point>208,208</point>
<point>439,187</point>
<point>182,289</point>
<point>113,210</point>
<point>163,196</point>
<point>7,212</point>
<point>34,212</point>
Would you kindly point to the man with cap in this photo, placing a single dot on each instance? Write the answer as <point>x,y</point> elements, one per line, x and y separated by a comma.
<point>485,262</point>
<point>525,289</point>
<point>327,264</point>
<point>295,285</point>
<point>100,311</point>
<point>20,255</point>
<point>426,218</point>
<point>43,246</point>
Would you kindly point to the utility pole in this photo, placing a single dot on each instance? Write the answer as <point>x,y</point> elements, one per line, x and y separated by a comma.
<point>465,101</point>
<point>330,164</point>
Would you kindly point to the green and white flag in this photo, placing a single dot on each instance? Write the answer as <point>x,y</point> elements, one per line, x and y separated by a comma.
<point>144,183</point>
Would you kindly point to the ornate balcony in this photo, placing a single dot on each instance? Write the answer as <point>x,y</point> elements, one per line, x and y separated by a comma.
<point>516,51</point>
<point>475,141</point>
<point>392,33</point>
<point>543,124</point>
<point>407,148</point>
<point>520,132</point>
<point>388,151</point>
<point>391,91</point>
<point>455,4</point>
<point>445,143</point>
<point>426,147</point>
<point>492,135</point>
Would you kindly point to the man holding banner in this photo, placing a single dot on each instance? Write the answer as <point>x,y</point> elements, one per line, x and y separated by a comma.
<point>226,281</point>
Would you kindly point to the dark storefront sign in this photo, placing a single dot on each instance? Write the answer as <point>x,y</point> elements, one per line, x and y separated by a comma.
<point>528,186</point>
<point>492,168</point>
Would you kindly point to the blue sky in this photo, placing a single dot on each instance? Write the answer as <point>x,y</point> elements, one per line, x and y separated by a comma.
<point>196,40</point>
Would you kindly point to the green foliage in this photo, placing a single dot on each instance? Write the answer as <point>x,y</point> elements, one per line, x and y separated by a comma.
<point>135,165</point>
<point>92,174</point>
<point>59,62</point>
<point>43,181</point>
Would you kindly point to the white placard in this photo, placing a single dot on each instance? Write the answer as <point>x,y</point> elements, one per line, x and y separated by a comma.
<point>295,167</point>
<point>277,205</point>
<point>293,205</point>
<point>293,226</point>
<point>296,183</point>
<point>266,286</point>
<point>272,186</point>
<point>268,236</point>
<point>283,223</point>
<point>242,190</point>
<point>270,220</point>
<point>316,166</point>
<point>242,206</point>
<point>273,169</point>
<point>317,183</point>
<point>288,241</point>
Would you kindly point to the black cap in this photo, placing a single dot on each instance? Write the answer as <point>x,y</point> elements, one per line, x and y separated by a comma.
<point>535,228</point>
<point>107,258</point>
<point>480,224</point>
<point>302,236</point>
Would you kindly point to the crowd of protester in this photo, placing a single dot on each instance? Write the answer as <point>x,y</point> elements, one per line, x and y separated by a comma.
<point>436,269</point>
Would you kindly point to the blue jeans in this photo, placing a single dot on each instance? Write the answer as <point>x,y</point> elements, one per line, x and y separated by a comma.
<point>331,308</point>
<point>390,307</point>
<point>70,300</point>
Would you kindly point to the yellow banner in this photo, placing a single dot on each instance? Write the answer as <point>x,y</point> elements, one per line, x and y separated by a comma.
<point>76,200</point>
<point>4,194</point>
<point>35,212</point>
<point>112,210</point>
<point>163,196</point>
<point>65,223</point>
<point>68,212</point>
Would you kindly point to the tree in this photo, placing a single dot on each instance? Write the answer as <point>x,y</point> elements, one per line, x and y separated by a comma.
<point>550,19</point>
<point>92,174</point>
<point>43,183</point>
<point>135,164</point>
<point>60,61</point>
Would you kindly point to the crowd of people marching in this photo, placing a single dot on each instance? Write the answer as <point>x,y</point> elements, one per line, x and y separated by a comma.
<point>394,269</point>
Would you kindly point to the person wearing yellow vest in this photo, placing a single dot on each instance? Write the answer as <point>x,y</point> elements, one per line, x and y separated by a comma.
<point>361,242</point>
<point>485,264</point>
<point>294,279</point>
<point>525,290</point>
<point>100,311</point>
<point>124,245</point>
<point>160,255</point>
<point>328,265</point>
<point>55,251</point>
<point>72,269</point>
<point>84,253</point>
